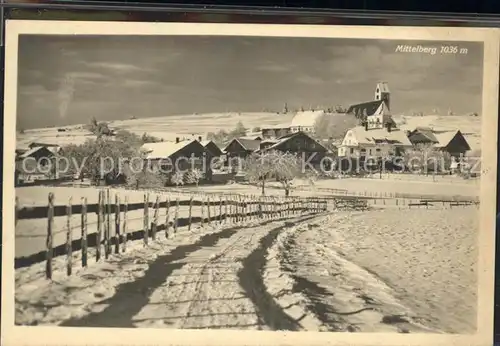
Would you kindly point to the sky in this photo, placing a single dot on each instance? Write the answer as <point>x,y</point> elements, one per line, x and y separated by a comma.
<point>64,80</point>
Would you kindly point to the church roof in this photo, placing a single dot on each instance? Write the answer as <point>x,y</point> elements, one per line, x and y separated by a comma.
<point>365,108</point>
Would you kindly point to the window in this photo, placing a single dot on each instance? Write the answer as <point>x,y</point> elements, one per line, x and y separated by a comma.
<point>378,150</point>
<point>352,150</point>
<point>370,151</point>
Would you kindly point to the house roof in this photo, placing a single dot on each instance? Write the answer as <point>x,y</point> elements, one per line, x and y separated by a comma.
<point>306,118</point>
<point>206,142</point>
<point>290,136</point>
<point>256,137</point>
<point>369,108</point>
<point>247,144</point>
<point>375,136</point>
<point>427,132</point>
<point>164,149</point>
<point>439,139</point>
<point>33,150</point>
<point>444,138</point>
<point>276,127</point>
<point>272,141</point>
<point>40,144</point>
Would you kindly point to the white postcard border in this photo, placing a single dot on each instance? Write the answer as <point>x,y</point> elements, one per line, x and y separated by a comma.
<point>22,335</point>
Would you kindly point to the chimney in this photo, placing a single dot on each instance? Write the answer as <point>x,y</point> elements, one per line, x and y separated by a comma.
<point>177,139</point>
<point>199,138</point>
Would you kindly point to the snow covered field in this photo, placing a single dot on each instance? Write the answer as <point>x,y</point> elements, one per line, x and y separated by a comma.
<point>425,260</point>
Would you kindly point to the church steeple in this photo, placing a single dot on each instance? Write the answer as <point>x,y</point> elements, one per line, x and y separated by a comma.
<point>382,93</point>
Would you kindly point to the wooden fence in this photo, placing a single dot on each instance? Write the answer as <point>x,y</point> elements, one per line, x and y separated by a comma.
<point>113,234</point>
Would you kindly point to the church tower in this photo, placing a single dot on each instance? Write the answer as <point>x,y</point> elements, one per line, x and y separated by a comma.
<point>382,93</point>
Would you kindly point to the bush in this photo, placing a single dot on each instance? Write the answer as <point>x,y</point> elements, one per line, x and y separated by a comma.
<point>193,176</point>
<point>177,179</point>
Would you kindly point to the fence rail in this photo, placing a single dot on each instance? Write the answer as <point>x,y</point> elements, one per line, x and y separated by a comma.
<point>113,232</point>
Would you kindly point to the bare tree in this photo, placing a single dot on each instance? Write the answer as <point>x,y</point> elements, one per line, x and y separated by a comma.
<point>178,178</point>
<point>98,158</point>
<point>193,176</point>
<point>334,126</point>
<point>287,167</point>
<point>425,157</point>
<point>263,167</point>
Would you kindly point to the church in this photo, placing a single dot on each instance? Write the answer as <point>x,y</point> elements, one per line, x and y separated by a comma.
<point>377,112</point>
<point>378,136</point>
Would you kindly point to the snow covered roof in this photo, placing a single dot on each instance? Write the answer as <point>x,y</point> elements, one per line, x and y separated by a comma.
<point>444,138</point>
<point>306,118</point>
<point>278,126</point>
<point>33,150</point>
<point>164,149</point>
<point>374,136</point>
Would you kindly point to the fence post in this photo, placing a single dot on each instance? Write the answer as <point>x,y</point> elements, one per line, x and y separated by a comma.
<point>190,212</point>
<point>50,226</point>
<point>214,210</point>
<point>125,234</point>
<point>99,227</point>
<point>220,209</point>
<point>156,214</point>
<point>243,201</point>
<point>226,208</point>
<point>209,215</point>
<point>273,207</point>
<point>146,219</point>
<point>277,208</point>
<point>202,212</point>
<point>167,217</point>
<point>234,208</point>
<point>176,220</point>
<point>84,231</point>
<point>117,224</point>
<point>69,239</point>
<point>253,207</point>
<point>108,225</point>
<point>268,206</point>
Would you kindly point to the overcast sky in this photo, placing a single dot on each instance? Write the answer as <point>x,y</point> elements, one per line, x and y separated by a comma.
<point>68,79</point>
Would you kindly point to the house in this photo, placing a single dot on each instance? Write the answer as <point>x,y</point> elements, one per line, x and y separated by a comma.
<point>362,142</point>
<point>179,156</point>
<point>452,142</point>
<point>275,131</point>
<point>241,148</point>
<point>28,171</point>
<point>305,121</point>
<point>302,144</point>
